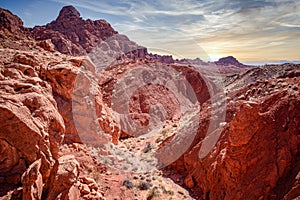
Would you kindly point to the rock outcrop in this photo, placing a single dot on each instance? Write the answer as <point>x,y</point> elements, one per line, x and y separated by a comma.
<point>10,22</point>
<point>229,60</point>
<point>30,121</point>
<point>36,86</point>
<point>258,148</point>
<point>32,181</point>
<point>71,34</point>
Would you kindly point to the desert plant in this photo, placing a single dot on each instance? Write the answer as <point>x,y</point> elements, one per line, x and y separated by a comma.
<point>144,185</point>
<point>128,183</point>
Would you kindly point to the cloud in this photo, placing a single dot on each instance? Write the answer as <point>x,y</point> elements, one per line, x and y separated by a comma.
<point>228,26</point>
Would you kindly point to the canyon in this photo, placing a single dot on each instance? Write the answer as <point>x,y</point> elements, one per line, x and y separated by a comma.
<point>86,113</point>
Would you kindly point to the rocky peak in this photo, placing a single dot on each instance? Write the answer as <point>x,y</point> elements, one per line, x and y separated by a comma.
<point>12,31</point>
<point>73,35</point>
<point>68,13</point>
<point>229,60</point>
<point>10,21</point>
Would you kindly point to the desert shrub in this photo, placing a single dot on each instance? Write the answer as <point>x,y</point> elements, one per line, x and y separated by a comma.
<point>128,183</point>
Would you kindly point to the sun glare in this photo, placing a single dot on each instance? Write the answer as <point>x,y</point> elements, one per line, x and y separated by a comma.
<point>215,57</point>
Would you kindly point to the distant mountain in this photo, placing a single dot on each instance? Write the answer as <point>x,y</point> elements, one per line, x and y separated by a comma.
<point>229,60</point>
<point>280,62</point>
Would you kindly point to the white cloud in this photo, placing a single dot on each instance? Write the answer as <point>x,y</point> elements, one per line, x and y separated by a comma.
<point>249,25</point>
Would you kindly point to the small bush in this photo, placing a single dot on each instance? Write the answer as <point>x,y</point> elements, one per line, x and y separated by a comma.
<point>128,183</point>
<point>144,185</point>
<point>147,148</point>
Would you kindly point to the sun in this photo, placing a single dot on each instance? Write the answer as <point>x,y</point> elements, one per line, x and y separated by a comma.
<point>214,57</point>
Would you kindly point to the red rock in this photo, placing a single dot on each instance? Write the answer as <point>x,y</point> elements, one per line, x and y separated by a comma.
<point>74,193</point>
<point>189,182</point>
<point>46,45</point>
<point>64,174</point>
<point>66,32</point>
<point>32,181</point>
<point>85,189</point>
<point>72,35</point>
<point>257,149</point>
<point>9,156</point>
<point>25,59</point>
<point>256,157</point>
<point>87,180</point>
<point>143,97</point>
<point>10,21</point>
<point>30,121</point>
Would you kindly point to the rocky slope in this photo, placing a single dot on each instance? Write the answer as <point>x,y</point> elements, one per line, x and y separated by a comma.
<point>54,106</point>
<point>258,148</point>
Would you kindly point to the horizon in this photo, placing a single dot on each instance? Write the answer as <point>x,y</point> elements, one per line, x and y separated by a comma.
<point>254,32</point>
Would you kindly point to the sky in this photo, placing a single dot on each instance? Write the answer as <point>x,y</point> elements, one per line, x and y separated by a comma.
<point>253,31</point>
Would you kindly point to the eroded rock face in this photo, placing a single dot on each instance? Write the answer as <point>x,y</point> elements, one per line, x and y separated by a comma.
<point>61,77</point>
<point>35,92</point>
<point>11,29</point>
<point>258,148</point>
<point>75,36</point>
<point>29,118</point>
<point>146,94</point>
<point>64,174</point>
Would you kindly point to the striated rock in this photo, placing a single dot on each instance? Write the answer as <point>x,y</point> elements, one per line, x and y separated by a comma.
<point>255,74</point>
<point>144,98</point>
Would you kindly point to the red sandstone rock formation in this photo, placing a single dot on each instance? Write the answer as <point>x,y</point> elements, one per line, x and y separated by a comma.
<point>256,157</point>
<point>71,34</point>
<point>259,146</point>
<point>35,92</point>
